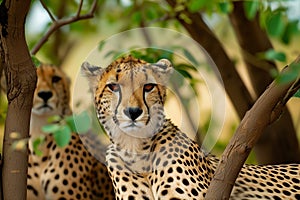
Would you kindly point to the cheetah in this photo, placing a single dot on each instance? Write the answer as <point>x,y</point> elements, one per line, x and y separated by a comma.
<point>70,172</point>
<point>149,157</point>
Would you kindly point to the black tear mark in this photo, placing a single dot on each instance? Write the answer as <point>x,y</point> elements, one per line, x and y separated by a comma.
<point>3,18</point>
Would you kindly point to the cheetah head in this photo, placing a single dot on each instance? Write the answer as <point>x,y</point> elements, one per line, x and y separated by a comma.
<point>129,95</point>
<point>52,95</point>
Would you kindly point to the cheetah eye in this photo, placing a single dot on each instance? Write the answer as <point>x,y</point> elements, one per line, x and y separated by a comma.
<point>55,79</point>
<point>149,87</point>
<point>114,87</point>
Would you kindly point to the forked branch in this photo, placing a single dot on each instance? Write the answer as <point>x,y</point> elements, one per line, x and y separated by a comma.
<point>265,111</point>
<point>62,22</point>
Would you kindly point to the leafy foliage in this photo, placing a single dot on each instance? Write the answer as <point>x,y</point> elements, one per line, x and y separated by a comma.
<point>153,54</point>
<point>275,24</point>
<point>53,50</point>
<point>115,15</point>
<point>289,75</point>
<point>209,6</point>
<point>36,143</point>
<point>297,94</point>
<point>251,9</point>
<point>80,123</point>
<point>62,128</point>
<point>273,55</point>
<point>35,61</point>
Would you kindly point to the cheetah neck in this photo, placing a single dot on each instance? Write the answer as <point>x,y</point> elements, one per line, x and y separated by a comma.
<point>36,123</point>
<point>129,143</point>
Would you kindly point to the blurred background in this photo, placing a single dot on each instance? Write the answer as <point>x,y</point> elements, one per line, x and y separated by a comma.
<point>248,42</point>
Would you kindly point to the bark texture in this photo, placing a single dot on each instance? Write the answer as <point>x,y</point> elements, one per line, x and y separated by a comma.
<point>278,143</point>
<point>234,86</point>
<point>280,137</point>
<point>265,111</point>
<point>21,79</point>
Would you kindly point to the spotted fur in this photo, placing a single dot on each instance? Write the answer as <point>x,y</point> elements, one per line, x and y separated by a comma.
<point>150,158</point>
<point>61,173</point>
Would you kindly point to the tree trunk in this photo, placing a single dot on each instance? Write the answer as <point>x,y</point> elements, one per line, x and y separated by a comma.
<point>278,143</point>
<point>234,86</point>
<point>21,79</point>
<point>238,93</point>
<point>265,111</point>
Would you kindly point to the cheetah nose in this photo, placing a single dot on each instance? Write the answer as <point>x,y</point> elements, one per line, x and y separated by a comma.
<point>133,112</point>
<point>45,95</point>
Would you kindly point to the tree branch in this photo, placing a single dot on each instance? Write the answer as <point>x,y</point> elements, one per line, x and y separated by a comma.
<point>79,8</point>
<point>62,22</point>
<point>48,11</point>
<point>279,142</point>
<point>200,32</point>
<point>265,111</point>
<point>20,76</point>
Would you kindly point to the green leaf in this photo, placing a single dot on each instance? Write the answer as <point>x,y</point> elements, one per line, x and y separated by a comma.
<point>190,57</point>
<point>196,5</point>
<point>289,75</point>
<point>251,8</point>
<point>36,143</point>
<point>80,123</point>
<point>54,118</point>
<point>286,77</point>
<point>136,17</point>
<point>225,7</point>
<point>185,73</point>
<point>185,18</point>
<point>274,73</point>
<point>152,13</point>
<point>274,55</point>
<point>263,16</point>
<point>101,45</point>
<point>297,94</point>
<point>111,53</point>
<point>62,136</point>
<point>35,61</point>
<point>50,128</point>
<point>275,24</point>
<point>184,66</point>
<point>290,30</point>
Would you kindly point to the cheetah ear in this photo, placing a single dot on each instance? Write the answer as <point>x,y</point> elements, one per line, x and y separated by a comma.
<point>164,69</point>
<point>164,66</point>
<point>93,74</point>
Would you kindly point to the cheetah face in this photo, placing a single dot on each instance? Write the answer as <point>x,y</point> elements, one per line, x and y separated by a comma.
<point>51,95</point>
<point>129,96</point>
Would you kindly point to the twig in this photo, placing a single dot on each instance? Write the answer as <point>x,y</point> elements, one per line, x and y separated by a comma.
<point>79,8</point>
<point>165,17</point>
<point>48,11</point>
<point>62,22</point>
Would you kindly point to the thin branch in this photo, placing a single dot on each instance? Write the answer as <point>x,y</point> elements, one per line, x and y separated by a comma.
<point>79,8</point>
<point>165,17</point>
<point>48,11</point>
<point>265,111</point>
<point>94,6</point>
<point>62,22</point>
